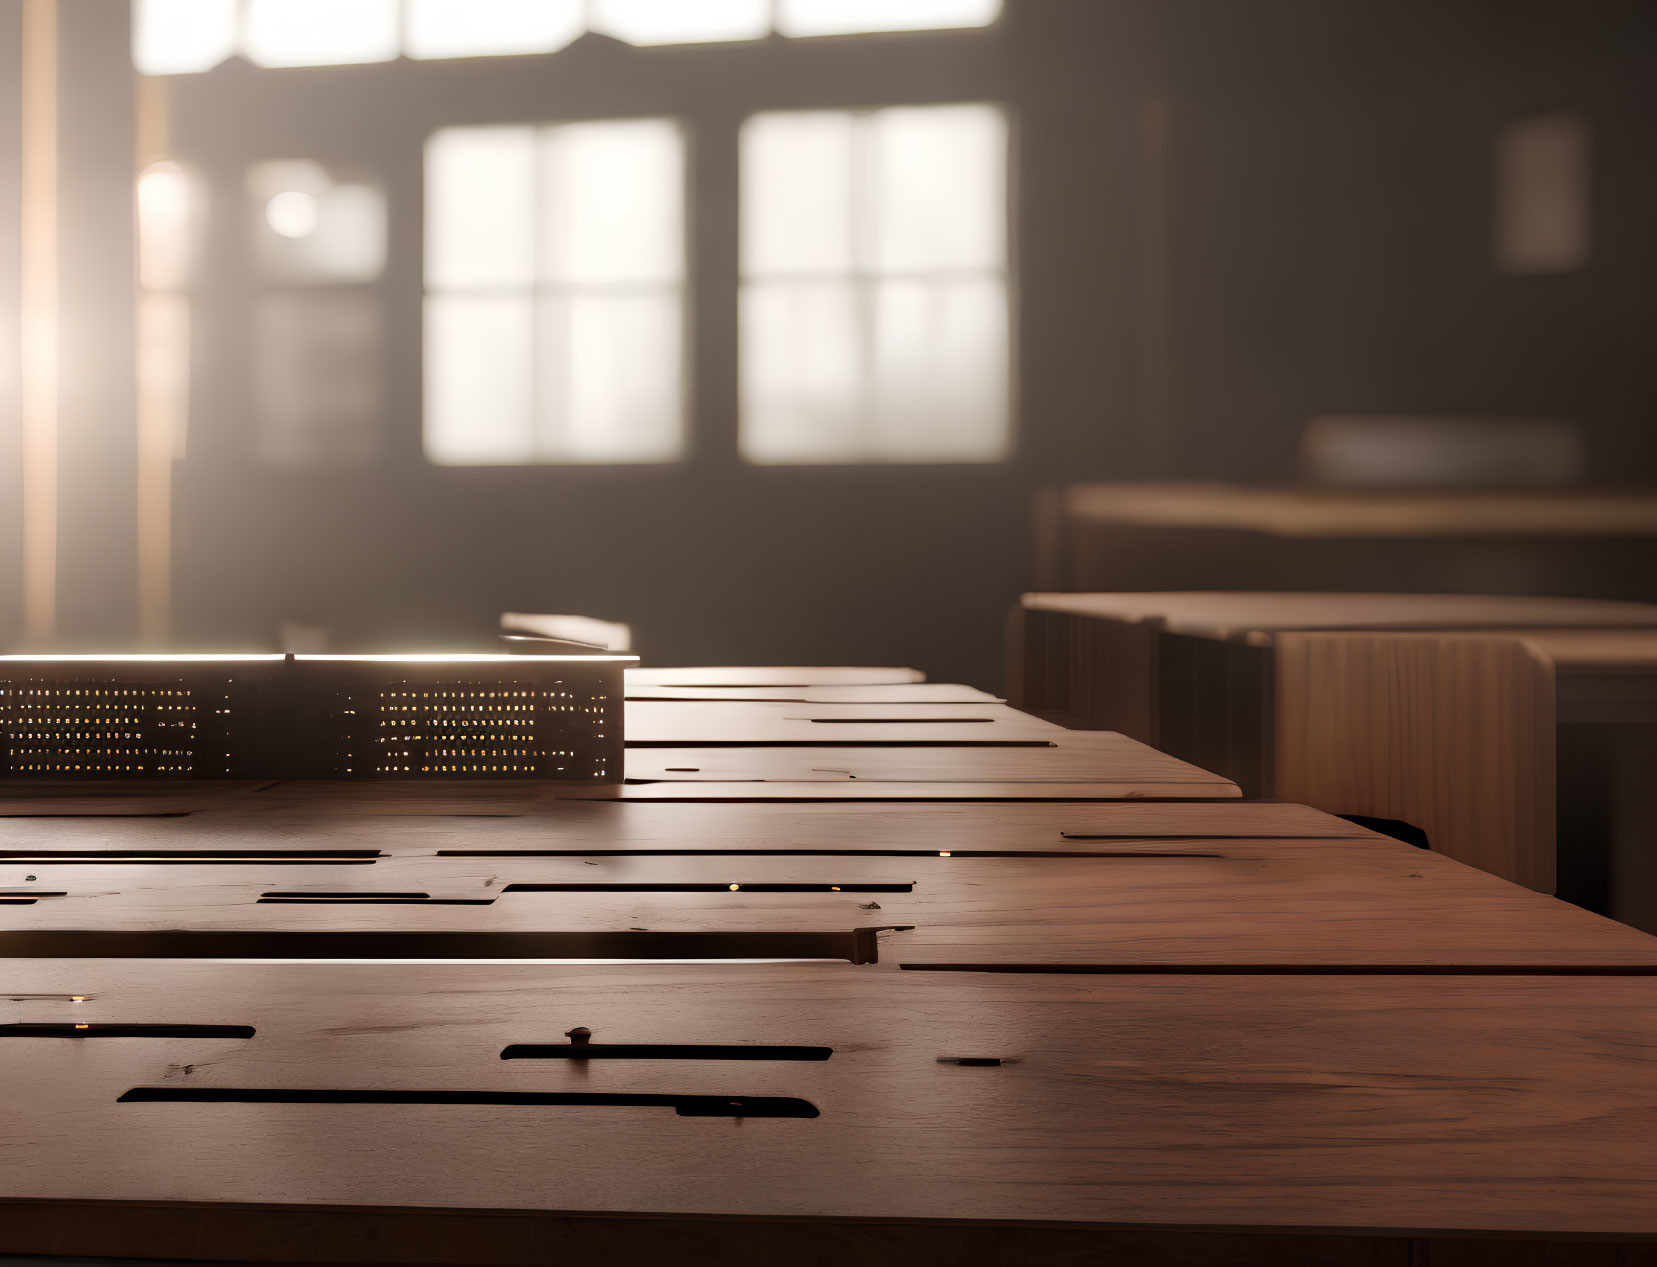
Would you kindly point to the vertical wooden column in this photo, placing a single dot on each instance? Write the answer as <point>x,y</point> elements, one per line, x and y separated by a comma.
<point>11,466</point>
<point>97,448</point>
<point>38,316</point>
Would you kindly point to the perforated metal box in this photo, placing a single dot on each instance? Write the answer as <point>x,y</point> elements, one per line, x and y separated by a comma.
<point>458,716</point>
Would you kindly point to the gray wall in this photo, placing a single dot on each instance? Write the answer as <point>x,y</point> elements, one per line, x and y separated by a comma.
<point>1317,239</point>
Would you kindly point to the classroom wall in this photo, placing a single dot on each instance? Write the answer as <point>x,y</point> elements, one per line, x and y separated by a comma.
<point>1229,218</point>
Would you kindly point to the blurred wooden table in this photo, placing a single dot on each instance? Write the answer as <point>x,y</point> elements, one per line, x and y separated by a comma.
<point>1543,737</point>
<point>1204,676</point>
<point>1124,537</point>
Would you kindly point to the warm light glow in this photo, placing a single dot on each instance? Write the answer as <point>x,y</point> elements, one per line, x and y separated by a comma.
<point>680,22</point>
<point>142,658</point>
<point>177,37</point>
<point>554,267</point>
<point>849,17</point>
<point>319,32</point>
<point>38,315</point>
<point>874,309</point>
<point>488,28</point>
<point>165,222</point>
<point>468,657</point>
<point>292,213</point>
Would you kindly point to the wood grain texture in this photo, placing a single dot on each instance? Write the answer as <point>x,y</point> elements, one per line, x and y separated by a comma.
<point>394,820</point>
<point>1454,734</point>
<point>1357,1104</point>
<point>1190,903</point>
<point>1083,757</point>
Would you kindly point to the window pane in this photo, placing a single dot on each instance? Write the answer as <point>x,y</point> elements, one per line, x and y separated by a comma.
<point>611,202</point>
<point>609,378</point>
<point>680,22</point>
<point>320,32</point>
<point>797,193</point>
<point>940,371</point>
<point>480,207</point>
<point>841,17</point>
<point>478,395</point>
<point>307,228</point>
<point>318,378</point>
<point>173,37</point>
<point>486,28</point>
<point>803,383</point>
<point>939,185</point>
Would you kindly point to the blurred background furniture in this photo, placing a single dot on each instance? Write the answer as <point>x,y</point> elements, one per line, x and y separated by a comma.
<point>1206,677</point>
<point>1594,543</point>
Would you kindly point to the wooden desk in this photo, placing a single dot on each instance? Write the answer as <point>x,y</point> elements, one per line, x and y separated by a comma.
<point>1202,676</point>
<point>676,723</point>
<point>1224,1114</point>
<point>874,693</point>
<point>1107,905</point>
<point>773,675</point>
<point>1078,765</point>
<point>1545,738</point>
<point>349,821</point>
<point>1122,537</point>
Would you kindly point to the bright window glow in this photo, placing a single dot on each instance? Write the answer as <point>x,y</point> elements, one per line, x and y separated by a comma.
<point>309,228</point>
<point>177,37</point>
<point>488,28</point>
<point>874,305</point>
<point>848,17</point>
<point>169,216</point>
<point>319,32</point>
<point>681,21</point>
<point>554,269</point>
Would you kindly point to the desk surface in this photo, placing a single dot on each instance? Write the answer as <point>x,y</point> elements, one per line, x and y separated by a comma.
<point>1392,1103</point>
<point>870,693</point>
<point>1369,902</point>
<point>1336,513</point>
<point>678,723</point>
<point>1098,763</point>
<point>773,675</point>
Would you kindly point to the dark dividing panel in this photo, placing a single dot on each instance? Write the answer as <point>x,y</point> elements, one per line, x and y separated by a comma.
<point>856,945</point>
<point>857,853</point>
<point>1292,969</point>
<point>107,1030</point>
<point>732,887</point>
<point>683,1105</point>
<point>662,1051</point>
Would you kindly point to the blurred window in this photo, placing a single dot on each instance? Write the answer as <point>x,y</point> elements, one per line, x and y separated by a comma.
<point>173,37</point>
<point>489,28</point>
<point>676,22</point>
<point>874,298</point>
<point>847,17</point>
<point>319,361</point>
<point>319,32</point>
<point>554,273</point>
<point>308,227</point>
